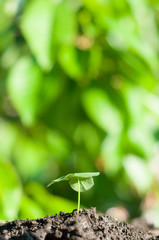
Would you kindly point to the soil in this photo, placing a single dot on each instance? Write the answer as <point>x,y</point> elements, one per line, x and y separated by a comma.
<point>86,224</point>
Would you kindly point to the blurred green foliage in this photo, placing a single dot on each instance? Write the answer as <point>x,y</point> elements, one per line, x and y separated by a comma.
<point>79,92</point>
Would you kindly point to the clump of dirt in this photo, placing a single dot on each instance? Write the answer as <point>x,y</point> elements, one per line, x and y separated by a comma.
<point>86,224</point>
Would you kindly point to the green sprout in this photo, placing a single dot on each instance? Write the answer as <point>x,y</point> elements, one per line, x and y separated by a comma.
<point>79,182</point>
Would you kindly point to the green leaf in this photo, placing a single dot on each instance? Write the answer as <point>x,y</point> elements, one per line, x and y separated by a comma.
<point>63,178</point>
<point>85,183</point>
<point>86,174</point>
<point>37,27</point>
<point>80,176</point>
<point>24,83</point>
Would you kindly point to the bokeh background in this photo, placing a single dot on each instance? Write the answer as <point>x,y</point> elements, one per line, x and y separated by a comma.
<point>79,92</point>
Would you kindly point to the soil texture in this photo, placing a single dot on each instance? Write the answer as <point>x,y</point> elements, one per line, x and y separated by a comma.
<point>86,224</point>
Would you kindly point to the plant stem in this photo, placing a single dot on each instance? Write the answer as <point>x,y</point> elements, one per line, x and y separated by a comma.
<point>78,196</point>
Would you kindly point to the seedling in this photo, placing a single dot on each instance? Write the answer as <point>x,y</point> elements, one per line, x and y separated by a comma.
<point>79,182</point>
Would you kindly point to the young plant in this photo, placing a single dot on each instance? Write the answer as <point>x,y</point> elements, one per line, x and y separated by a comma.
<point>80,182</point>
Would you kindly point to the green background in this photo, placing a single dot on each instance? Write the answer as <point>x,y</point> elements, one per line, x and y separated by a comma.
<point>79,92</point>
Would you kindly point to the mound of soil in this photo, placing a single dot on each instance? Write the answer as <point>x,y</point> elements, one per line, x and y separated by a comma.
<point>86,224</point>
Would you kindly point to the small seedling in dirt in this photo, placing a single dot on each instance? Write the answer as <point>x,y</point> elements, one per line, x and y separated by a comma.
<point>80,182</point>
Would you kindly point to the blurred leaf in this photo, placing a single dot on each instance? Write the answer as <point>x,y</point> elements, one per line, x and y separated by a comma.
<point>93,5</point>
<point>133,98</point>
<point>10,56</point>
<point>30,157</point>
<point>10,191</point>
<point>54,204</point>
<point>24,82</point>
<point>151,102</point>
<point>95,61</point>
<point>111,153</point>
<point>140,10</point>
<point>139,173</point>
<point>37,27</point>
<point>82,136</point>
<point>58,145</point>
<point>137,72</point>
<point>123,35</point>
<point>65,24</point>
<point>51,89</point>
<point>100,109</point>
<point>8,135</point>
<point>142,125</point>
<point>68,59</point>
<point>30,209</point>
<point>141,137</point>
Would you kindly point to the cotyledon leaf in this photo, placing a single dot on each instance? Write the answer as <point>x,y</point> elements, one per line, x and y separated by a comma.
<point>63,178</point>
<point>81,184</point>
<point>76,176</point>
<point>86,174</point>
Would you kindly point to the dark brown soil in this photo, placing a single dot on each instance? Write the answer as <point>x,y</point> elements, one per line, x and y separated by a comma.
<point>86,224</point>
